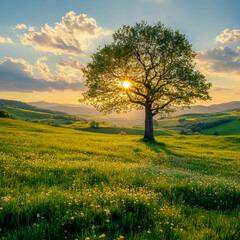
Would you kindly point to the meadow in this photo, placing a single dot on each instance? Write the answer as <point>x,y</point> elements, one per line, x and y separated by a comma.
<point>61,183</point>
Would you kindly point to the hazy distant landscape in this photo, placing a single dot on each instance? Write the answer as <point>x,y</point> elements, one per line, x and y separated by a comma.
<point>88,110</point>
<point>224,122</point>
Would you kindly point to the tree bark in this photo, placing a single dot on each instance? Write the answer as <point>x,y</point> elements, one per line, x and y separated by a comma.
<point>148,134</point>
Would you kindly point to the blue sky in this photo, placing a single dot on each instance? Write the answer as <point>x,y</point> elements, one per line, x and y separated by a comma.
<point>48,71</point>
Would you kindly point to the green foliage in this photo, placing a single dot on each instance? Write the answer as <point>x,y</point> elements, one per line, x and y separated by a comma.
<point>181,120</point>
<point>58,183</point>
<point>200,124</point>
<point>94,124</point>
<point>229,128</point>
<point>189,132</point>
<point>158,63</point>
<point>4,114</point>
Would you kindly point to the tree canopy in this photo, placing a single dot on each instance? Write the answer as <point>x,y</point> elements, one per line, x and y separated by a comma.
<point>146,66</point>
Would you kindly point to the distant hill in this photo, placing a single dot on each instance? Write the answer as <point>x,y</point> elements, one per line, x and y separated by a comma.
<point>23,111</point>
<point>218,122</point>
<point>80,109</point>
<point>23,105</point>
<point>88,110</point>
<point>209,109</point>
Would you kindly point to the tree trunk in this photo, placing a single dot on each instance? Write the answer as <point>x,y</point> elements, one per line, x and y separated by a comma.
<point>148,135</point>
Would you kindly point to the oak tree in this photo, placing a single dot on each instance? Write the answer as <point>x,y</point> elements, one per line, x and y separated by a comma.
<point>147,67</point>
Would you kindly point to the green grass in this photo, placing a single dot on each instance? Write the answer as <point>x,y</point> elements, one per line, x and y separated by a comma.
<point>85,124</point>
<point>58,183</point>
<point>230,128</point>
<point>41,117</point>
<point>26,114</point>
<point>119,130</point>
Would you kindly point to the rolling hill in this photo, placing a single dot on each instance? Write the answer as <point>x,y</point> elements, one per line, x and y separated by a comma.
<point>219,123</point>
<point>87,110</point>
<point>59,183</point>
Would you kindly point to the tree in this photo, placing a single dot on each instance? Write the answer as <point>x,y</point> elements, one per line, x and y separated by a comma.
<point>4,114</point>
<point>146,67</point>
<point>94,124</point>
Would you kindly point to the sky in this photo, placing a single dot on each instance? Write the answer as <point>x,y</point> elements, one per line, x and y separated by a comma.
<point>44,44</point>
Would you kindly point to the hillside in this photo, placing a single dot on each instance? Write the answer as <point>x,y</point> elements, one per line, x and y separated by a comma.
<point>58,183</point>
<point>209,109</point>
<point>40,117</point>
<point>229,128</point>
<point>87,110</point>
<point>73,121</point>
<point>219,123</point>
<point>22,105</point>
<point>222,123</point>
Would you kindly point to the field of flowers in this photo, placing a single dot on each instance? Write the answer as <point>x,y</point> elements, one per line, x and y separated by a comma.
<point>58,183</point>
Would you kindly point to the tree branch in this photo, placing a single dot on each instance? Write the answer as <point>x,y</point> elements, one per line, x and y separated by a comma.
<point>134,101</point>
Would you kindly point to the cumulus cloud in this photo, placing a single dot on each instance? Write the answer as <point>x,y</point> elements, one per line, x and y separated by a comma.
<point>20,26</point>
<point>70,63</point>
<point>70,68</point>
<point>31,28</point>
<point>228,36</point>
<point>24,27</point>
<point>70,36</point>
<point>43,68</point>
<point>16,75</point>
<point>5,40</point>
<point>66,70</point>
<point>220,61</point>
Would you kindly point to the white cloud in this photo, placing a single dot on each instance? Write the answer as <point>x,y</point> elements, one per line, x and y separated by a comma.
<point>43,68</point>
<point>228,36</point>
<point>67,70</point>
<point>16,75</point>
<point>5,40</point>
<point>70,68</point>
<point>70,63</point>
<point>31,28</point>
<point>220,61</point>
<point>71,36</point>
<point>24,26</point>
<point>20,26</point>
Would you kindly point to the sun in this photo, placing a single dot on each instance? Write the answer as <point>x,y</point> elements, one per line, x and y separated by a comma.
<point>126,84</point>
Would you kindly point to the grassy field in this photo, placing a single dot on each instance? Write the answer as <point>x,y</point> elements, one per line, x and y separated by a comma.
<point>41,117</point>
<point>58,183</point>
<point>165,127</point>
<point>26,114</point>
<point>122,130</point>
<point>230,128</point>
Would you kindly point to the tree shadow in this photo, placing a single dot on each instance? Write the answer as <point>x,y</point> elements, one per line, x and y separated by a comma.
<point>160,148</point>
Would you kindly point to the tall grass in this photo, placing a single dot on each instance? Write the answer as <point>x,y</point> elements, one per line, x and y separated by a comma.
<point>64,184</point>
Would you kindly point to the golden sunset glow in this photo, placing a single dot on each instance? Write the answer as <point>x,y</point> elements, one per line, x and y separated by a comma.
<point>126,84</point>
